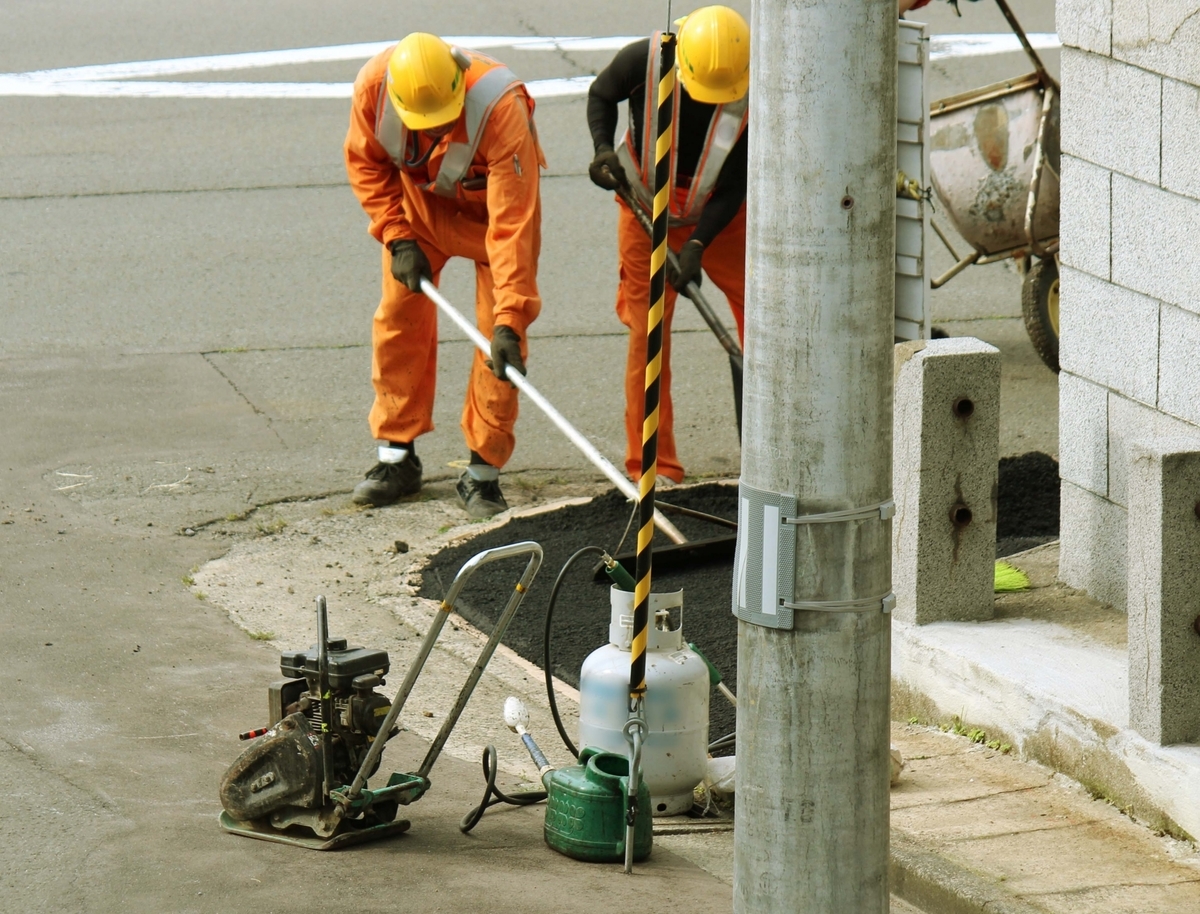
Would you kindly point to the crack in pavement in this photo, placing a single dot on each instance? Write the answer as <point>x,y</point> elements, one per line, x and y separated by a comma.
<point>249,402</point>
<point>174,191</point>
<point>31,755</point>
<point>151,192</point>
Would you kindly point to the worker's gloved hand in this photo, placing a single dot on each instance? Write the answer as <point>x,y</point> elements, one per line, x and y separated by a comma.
<point>409,264</point>
<point>689,267</point>
<point>606,170</point>
<point>506,350</point>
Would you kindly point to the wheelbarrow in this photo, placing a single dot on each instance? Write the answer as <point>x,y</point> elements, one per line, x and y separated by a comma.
<point>994,160</point>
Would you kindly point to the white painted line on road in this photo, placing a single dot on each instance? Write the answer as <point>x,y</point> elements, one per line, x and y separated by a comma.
<point>259,59</point>
<point>128,80</point>
<point>538,88</point>
<point>944,46</point>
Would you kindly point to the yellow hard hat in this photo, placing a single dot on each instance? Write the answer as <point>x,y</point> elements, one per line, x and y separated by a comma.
<point>425,81</point>
<point>713,55</point>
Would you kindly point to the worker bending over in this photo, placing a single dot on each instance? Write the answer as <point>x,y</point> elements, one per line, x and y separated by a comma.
<point>443,154</point>
<point>707,193</point>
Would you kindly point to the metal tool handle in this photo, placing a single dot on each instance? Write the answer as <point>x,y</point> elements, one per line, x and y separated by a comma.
<point>615,476</point>
<point>324,698</point>
<point>728,343</point>
<point>535,753</point>
<point>439,620</point>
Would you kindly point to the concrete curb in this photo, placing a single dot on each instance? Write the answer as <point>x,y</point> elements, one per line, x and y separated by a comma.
<point>933,883</point>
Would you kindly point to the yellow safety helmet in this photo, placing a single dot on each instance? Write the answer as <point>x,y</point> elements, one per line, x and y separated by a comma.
<point>425,81</point>
<point>713,55</point>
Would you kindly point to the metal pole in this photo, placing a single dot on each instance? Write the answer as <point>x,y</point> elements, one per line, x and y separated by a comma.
<point>615,476</point>
<point>812,728</point>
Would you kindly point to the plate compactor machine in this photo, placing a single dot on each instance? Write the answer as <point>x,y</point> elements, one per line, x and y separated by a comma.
<point>302,780</point>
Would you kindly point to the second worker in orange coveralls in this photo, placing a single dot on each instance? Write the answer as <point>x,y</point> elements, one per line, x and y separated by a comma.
<point>443,154</point>
<point>707,193</point>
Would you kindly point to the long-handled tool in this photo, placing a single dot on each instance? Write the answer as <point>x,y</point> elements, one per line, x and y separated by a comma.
<point>728,343</point>
<point>615,476</point>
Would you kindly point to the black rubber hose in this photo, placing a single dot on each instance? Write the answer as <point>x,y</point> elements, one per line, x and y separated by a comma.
<point>494,796</point>
<point>547,666</point>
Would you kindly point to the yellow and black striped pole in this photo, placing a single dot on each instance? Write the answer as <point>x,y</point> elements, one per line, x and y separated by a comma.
<point>659,181</point>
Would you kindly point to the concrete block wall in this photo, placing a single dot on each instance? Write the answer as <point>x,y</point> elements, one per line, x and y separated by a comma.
<point>1130,263</point>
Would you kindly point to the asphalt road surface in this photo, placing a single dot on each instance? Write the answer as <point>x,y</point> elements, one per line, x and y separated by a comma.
<point>186,287</point>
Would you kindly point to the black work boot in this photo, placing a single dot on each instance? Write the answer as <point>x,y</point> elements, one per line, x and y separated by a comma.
<point>389,482</point>
<point>481,496</point>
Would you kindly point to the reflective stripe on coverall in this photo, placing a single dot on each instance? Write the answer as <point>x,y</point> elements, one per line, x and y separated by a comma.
<point>725,264</point>
<point>493,219</point>
<point>727,125</point>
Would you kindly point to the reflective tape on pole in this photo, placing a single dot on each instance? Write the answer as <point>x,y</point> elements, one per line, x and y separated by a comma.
<point>659,181</point>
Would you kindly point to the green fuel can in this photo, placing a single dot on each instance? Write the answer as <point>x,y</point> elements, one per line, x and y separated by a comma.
<point>586,805</point>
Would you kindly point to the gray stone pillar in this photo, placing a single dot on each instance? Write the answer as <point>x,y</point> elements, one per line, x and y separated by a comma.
<point>946,439</point>
<point>1164,590</point>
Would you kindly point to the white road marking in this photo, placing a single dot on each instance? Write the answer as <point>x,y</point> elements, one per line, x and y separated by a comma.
<point>943,46</point>
<point>129,80</point>
<point>538,88</point>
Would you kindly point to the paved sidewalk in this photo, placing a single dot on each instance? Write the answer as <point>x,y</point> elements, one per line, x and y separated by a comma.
<point>973,829</point>
<point>1023,838</point>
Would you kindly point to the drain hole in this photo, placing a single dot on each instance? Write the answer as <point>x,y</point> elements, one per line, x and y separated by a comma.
<point>960,515</point>
<point>963,407</point>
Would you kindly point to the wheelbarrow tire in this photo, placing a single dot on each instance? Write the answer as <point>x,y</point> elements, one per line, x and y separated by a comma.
<point>1039,307</point>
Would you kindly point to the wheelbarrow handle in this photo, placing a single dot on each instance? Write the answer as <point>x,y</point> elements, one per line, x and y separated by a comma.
<point>1042,72</point>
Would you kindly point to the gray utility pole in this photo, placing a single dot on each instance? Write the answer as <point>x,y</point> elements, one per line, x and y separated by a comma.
<point>813,590</point>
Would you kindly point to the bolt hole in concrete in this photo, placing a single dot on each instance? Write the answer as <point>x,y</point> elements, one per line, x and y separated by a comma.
<point>963,407</point>
<point>960,515</point>
<point>847,202</point>
<point>1027,516</point>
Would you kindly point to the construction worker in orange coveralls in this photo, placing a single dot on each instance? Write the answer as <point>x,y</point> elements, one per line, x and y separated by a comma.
<point>708,190</point>
<point>443,154</point>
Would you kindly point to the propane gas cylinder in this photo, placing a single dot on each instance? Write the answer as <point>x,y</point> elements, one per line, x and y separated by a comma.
<point>676,709</point>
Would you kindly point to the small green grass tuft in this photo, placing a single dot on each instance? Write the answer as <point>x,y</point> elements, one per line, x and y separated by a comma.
<point>262,636</point>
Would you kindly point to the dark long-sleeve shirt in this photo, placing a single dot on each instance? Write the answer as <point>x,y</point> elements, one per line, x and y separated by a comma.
<point>624,79</point>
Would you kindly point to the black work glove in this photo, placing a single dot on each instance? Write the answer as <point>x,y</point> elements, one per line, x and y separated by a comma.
<point>689,267</point>
<point>409,264</point>
<point>606,170</point>
<point>506,350</point>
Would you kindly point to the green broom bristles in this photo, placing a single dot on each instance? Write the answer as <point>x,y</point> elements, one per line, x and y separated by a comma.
<point>1010,578</point>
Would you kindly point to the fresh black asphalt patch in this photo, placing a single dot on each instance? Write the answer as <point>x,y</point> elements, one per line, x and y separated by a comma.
<point>1028,506</point>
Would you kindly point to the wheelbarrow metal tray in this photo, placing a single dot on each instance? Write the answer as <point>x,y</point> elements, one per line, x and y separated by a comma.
<point>982,153</point>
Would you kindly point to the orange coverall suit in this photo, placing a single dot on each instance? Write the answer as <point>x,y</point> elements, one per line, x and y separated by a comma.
<point>497,226</point>
<point>724,260</point>
<point>725,264</point>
